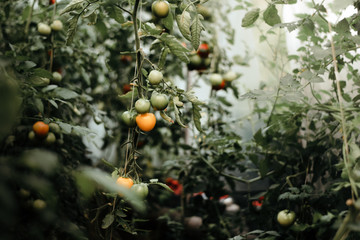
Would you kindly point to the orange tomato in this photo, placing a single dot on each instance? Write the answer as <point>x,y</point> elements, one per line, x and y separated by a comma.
<point>41,129</point>
<point>146,121</point>
<point>125,182</point>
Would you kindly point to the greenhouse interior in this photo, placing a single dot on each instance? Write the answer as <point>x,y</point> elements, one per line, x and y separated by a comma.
<point>179,119</point>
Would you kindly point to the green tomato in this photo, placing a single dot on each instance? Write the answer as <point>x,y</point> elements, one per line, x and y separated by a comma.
<point>39,204</point>
<point>44,29</point>
<point>140,189</point>
<point>31,136</point>
<point>56,77</point>
<point>50,139</point>
<point>54,127</point>
<point>159,101</point>
<point>215,79</point>
<point>142,105</point>
<point>128,118</point>
<point>195,62</point>
<point>230,76</point>
<point>155,77</point>
<point>160,8</point>
<point>286,218</point>
<point>56,25</point>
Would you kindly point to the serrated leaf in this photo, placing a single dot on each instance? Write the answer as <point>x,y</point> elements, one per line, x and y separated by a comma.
<point>196,109</point>
<point>40,72</point>
<point>183,21</point>
<point>107,221</point>
<point>72,23</point>
<point>162,60</point>
<point>177,116</point>
<point>73,5</point>
<point>250,17</point>
<point>175,47</point>
<point>196,28</point>
<point>271,16</point>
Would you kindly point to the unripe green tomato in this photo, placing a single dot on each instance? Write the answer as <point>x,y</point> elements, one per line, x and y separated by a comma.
<point>140,189</point>
<point>142,105</point>
<point>57,77</point>
<point>44,29</point>
<point>286,218</point>
<point>39,204</point>
<point>155,77</point>
<point>195,62</point>
<point>54,127</point>
<point>230,76</point>
<point>50,139</point>
<point>129,118</point>
<point>215,79</point>
<point>160,8</point>
<point>159,101</point>
<point>31,136</point>
<point>56,25</point>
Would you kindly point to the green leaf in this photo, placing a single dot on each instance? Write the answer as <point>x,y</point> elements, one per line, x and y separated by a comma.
<point>177,115</point>
<point>342,26</point>
<point>164,52</point>
<point>40,72</point>
<point>73,5</point>
<point>90,10</point>
<point>183,21</point>
<point>107,221</point>
<point>72,23</point>
<point>337,5</point>
<point>116,14</point>
<point>175,47</point>
<point>196,109</point>
<point>250,17</point>
<point>39,105</point>
<point>271,16</point>
<point>196,28</point>
<point>162,185</point>
<point>65,93</point>
<point>168,21</point>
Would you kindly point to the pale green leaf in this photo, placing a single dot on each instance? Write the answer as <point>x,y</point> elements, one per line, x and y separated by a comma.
<point>250,17</point>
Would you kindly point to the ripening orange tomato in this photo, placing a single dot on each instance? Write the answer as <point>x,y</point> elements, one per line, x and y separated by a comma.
<point>41,129</point>
<point>146,121</point>
<point>125,182</point>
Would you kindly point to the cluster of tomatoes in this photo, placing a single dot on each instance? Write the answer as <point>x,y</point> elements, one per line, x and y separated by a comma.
<point>45,30</point>
<point>199,60</point>
<point>142,117</point>
<point>219,81</point>
<point>140,189</point>
<point>45,133</point>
